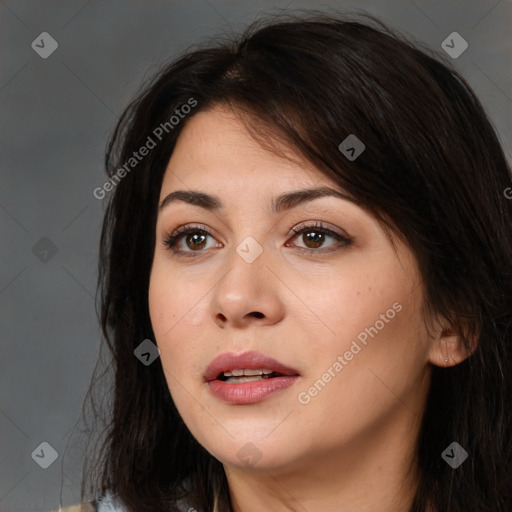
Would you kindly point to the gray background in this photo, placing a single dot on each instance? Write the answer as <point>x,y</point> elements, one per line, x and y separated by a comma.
<point>56,114</point>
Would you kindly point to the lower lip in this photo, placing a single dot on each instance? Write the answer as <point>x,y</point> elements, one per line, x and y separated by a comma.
<point>249,392</point>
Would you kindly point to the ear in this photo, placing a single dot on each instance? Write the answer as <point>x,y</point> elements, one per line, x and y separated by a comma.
<point>447,347</point>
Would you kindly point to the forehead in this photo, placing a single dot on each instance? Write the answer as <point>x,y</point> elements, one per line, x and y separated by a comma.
<point>215,147</point>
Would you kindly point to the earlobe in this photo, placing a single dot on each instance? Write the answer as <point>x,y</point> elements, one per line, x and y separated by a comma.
<point>449,350</point>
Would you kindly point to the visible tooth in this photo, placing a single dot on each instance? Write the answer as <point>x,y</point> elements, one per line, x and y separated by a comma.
<point>253,372</point>
<point>237,373</point>
<point>227,374</point>
<point>267,371</point>
<point>237,380</point>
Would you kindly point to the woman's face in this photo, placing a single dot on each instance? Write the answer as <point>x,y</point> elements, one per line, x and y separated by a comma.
<point>342,315</point>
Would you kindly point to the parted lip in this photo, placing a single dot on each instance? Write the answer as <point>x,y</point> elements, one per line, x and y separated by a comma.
<point>251,360</point>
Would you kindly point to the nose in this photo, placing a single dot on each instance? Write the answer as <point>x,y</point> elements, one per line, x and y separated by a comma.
<point>248,293</point>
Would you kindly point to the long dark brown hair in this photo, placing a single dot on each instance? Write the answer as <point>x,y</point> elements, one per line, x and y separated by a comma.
<point>433,171</point>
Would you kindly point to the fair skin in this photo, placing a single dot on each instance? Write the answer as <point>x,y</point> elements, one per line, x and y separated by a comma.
<point>349,448</point>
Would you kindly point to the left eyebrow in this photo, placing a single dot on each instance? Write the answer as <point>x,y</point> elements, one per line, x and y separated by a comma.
<point>281,203</point>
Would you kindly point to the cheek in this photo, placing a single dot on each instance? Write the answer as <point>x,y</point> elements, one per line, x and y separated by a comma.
<point>166,304</point>
<point>174,317</point>
<point>380,368</point>
<point>373,312</point>
<point>175,311</point>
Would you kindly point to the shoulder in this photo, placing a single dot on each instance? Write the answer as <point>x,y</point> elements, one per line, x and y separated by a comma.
<point>111,503</point>
<point>81,507</point>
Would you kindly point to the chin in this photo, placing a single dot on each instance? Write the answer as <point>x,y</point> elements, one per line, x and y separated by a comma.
<point>254,457</point>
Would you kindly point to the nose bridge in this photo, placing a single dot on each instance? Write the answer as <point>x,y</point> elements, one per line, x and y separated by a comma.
<point>251,232</point>
<point>246,263</point>
<point>244,288</point>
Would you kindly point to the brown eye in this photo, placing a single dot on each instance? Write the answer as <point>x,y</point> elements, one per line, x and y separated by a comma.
<point>195,241</point>
<point>314,237</point>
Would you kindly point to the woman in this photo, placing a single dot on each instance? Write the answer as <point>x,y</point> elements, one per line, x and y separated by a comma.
<point>306,277</point>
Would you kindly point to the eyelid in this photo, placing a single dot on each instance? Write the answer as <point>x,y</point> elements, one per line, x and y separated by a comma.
<point>318,224</point>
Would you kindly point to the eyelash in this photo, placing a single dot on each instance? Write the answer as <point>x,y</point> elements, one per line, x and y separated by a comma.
<point>170,240</point>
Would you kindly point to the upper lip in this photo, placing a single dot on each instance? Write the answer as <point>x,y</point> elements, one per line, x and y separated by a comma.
<point>251,360</point>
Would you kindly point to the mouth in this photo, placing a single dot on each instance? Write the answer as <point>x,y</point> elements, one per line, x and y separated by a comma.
<point>246,367</point>
<point>239,376</point>
<point>247,378</point>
